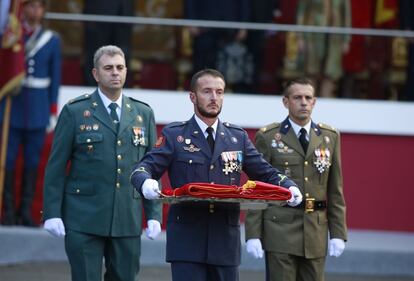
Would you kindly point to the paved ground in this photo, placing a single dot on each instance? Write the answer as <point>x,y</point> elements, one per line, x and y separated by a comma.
<point>59,271</point>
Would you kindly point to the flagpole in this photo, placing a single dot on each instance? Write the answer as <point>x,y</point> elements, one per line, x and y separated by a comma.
<point>4,142</point>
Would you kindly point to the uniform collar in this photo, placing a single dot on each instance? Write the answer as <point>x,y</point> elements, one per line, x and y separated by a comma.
<point>296,128</point>
<point>107,101</point>
<point>203,126</point>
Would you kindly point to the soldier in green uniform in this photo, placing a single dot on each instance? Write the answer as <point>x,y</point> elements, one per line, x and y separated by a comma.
<point>88,198</point>
<point>295,239</point>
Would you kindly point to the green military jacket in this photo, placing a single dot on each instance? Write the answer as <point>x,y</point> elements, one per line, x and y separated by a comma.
<point>318,175</point>
<point>87,176</point>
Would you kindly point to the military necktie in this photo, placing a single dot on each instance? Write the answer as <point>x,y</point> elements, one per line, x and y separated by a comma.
<point>210,138</point>
<point>302,139</point>
<point>114,115</point>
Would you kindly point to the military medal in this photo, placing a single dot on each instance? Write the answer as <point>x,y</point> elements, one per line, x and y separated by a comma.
<point>138,137</point>
<point>95,127</point>
<point>274,144</point>
<point>232,161</point>
<point>82,127</point>
<point>322,161</point>
<point>88,127</point>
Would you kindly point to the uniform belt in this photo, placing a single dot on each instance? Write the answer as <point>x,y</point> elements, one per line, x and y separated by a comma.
<point>38,83</point>
<point>310,205</point>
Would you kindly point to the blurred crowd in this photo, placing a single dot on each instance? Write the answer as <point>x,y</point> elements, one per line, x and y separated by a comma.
<point>253,61</point>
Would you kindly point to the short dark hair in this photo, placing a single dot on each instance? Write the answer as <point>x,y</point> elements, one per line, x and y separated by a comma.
<point>204,72</point>
<point>299,80</point>
<point>109,50</point>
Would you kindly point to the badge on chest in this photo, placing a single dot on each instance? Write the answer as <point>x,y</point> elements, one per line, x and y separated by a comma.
<point>233,161</point>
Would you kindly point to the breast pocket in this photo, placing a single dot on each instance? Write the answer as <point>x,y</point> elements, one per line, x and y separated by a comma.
<point>90,145</point>
<point>289,165</point>
<point>191,166</point>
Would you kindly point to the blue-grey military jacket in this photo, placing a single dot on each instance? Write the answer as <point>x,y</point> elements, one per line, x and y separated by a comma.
<point>204,232</point>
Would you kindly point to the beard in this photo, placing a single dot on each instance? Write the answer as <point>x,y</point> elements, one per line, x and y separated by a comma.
<point>206,114</point>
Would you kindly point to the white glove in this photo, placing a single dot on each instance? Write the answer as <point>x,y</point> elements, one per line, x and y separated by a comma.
<point>55,227</point>
<point>150,189</point>
<point>336,247</point>
<point>254,248</point>
<point>52,123</point>
<point>153,229</point>
<point>296,198</point>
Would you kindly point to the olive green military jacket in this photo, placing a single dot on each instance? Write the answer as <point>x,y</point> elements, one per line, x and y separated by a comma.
<point>318,174</point>
<point>87,176</point>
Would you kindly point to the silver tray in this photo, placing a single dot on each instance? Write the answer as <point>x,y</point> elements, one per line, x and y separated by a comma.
<point>245,204</point>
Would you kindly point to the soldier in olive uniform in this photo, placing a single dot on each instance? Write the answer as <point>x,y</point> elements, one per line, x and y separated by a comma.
<point>295,239</point>
<point>87,194</point>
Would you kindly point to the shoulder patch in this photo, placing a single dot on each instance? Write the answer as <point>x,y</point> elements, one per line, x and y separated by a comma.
<point>327,127</point>
<point>80,98</point>
<point>270,127</point>
<point>137,100</point>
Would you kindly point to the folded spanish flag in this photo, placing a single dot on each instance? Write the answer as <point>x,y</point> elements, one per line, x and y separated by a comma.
<point>250,190</point>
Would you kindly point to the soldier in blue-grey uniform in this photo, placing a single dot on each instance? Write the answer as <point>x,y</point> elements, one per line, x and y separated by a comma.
<point>33,110</point>
<point>88,197</point>
<point>203,239</point>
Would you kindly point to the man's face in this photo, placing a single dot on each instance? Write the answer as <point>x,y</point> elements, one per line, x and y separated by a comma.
<point>33,11</point>
<point>208,97</point>
<point>110,73</point>
<point>300,103</point>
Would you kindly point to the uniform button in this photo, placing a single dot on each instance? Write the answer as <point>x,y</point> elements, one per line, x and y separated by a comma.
<point>119,171</point>
<point>306,163</point>
<point>307,195</point>
<point>274,218</point>
<point>30,70</point>
<point>212,182</point>
<point>119,142</point>
<point>211,210</point>
<point>211,167</point>
<point>119,157</point>
<point>88,140</point>
<point>178,218</point>
<point>190,161</point>
<point>286,163</point>
<point>306,178</point>
<point>118,185</point>
<point>31,62</point>
<point>77,190</point>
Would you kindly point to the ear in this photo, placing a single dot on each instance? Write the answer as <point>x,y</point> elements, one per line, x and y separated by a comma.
<point>193,98</point>
<point>285,102</point>
<point>95,74</point>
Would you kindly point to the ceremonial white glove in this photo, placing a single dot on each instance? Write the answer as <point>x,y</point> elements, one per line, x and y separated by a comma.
<point>150,189</point>
<point>254,248</point>
<point>153,229</point>
<point>296,198</point>
<point>336,247</point>
<point>55,227</point>
<point>52,123</point>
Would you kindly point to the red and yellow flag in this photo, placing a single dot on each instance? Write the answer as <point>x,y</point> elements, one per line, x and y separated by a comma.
<point>12,52</point>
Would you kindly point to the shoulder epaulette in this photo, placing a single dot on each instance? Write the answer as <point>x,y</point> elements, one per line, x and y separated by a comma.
<point>176,124</point>
<point>230,125</point>
<point>80,98</point>
<point>269,127</point>
<point>327,127</point>
<point>137,100</point>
